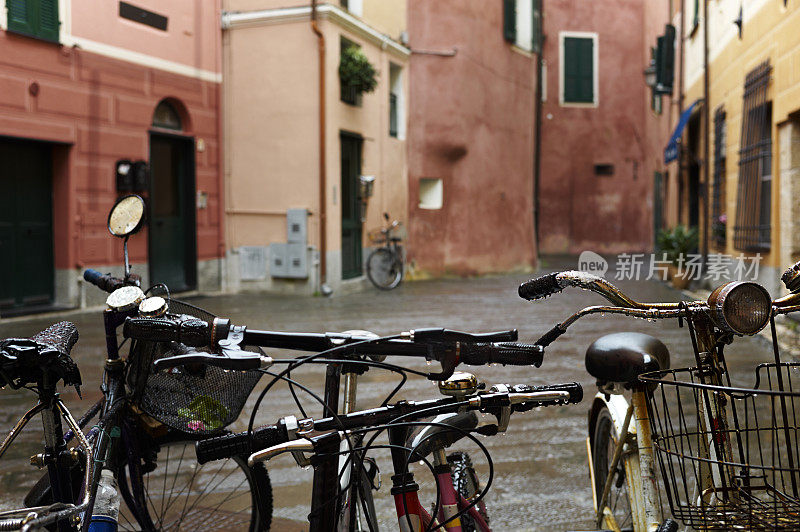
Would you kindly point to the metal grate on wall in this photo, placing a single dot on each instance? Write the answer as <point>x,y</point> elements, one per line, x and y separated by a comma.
<point>718,207</point>
<point>752,231</point>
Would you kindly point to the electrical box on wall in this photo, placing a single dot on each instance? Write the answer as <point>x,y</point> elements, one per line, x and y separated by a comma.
<point>297,226</point>
<point>288,260</point>
<point>132,176</point>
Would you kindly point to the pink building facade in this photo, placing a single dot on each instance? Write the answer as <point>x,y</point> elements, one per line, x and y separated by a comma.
<point>597,126</point>
<point>92,84</point>
<point>471,137</point>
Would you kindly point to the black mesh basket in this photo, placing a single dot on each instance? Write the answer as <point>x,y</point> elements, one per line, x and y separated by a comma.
<point>729,457</point>
<point>195,399</point>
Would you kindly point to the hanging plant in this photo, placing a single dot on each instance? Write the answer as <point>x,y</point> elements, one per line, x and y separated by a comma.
<point>355,70</point>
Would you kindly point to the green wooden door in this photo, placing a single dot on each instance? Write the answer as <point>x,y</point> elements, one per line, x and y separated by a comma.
<point>26,224</point>
<point>173,259</point>
<point>351,215</point>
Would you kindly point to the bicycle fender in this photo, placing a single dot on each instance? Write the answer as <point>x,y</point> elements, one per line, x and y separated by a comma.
<point>617,405</point>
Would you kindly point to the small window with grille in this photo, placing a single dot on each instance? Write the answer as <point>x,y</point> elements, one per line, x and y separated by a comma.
<point>752,231</point>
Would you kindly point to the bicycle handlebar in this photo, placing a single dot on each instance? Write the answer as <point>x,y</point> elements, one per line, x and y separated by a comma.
<point>519,398</point>
<point>106,282</point>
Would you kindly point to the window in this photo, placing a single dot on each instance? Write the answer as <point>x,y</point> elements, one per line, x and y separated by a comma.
<point>397,126</point>
<point>752,231</point>
<point>578,65</point>
<point>522,24</point>
<point>165,116</point>
<point>355,7</point>
<point>35,18</point>
<point>430,193</point>
<point>719,219</point>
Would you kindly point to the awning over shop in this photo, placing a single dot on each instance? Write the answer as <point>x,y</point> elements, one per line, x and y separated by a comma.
<point>671,151</point>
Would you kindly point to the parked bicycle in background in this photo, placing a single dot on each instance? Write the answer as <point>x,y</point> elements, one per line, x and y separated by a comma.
<point>385,263</point>
<point>728,456</point>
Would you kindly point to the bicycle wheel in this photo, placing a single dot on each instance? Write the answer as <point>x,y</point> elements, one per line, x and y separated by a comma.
<point>466,483</point>
<point>384,269</point>
<point>177,493</point>
<point>604,442</point>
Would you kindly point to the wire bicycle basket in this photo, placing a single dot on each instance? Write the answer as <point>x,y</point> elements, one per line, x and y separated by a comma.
<point>729,457</point>
<point>197,400</point>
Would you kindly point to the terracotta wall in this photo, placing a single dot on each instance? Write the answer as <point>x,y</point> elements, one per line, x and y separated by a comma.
<point>581,210</point>
<point>471,124</point>
<point>97,110</point>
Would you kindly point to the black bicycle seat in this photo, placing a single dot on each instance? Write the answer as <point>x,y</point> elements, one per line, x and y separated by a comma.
<point>25,360</point>
<point>622,357</point>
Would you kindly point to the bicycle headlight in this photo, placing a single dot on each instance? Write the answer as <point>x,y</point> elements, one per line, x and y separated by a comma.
<point>740,307</point>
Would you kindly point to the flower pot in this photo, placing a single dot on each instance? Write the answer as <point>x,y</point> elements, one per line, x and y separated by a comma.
<point>680,280</point>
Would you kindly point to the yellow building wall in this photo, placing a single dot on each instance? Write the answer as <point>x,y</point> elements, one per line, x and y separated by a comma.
<point>770,32</point>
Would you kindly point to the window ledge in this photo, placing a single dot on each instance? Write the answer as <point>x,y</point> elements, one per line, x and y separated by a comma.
<point>579,105</point>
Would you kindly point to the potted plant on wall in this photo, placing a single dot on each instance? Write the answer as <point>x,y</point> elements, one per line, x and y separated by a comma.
<point>677,243</point>
<point>356,74</point>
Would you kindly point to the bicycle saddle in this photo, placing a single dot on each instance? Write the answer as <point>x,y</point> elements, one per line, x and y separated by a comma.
<point>25,360</point>
<point>431,437</point>
<point>622,357</point>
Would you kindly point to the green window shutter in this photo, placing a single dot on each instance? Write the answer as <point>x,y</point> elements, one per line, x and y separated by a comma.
<point>48,20</point>
<point>536,26</point>
<point>578,70</point>
<point>20,17</point>
<point>510,20</point>
<point>35,18</point>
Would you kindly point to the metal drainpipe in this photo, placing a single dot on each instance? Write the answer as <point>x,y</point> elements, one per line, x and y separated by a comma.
<point>537,147</point>
<point>679,175</point>
<point>323,240</point>
<point>706,134</point>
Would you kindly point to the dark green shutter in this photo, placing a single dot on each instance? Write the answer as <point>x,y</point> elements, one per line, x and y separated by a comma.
<point>48,20</point>
<point>510,20</point>
<point>36,18</point>
<point>19,16</point>
<point>665,61</point>
<point>536,26</point>
<point>578,70</point>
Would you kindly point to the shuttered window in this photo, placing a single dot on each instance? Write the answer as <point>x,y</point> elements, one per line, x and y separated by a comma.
<point>536,44</point>
<point>35,18</point>
<point>510,20</point>
<point>578,70</point>
<point>752,231</point>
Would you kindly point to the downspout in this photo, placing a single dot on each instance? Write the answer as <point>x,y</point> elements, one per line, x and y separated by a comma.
<point>706,133</point>
<point>679,176</point>
<point>323,236</point>
<point>537,146</point>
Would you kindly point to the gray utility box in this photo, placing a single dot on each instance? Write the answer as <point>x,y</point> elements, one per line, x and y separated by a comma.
<point>297,226</point>
<point>288,260</point>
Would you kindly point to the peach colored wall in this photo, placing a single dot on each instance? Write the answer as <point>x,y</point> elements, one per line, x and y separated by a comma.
<point>271,121</point>
<point>191,38</point>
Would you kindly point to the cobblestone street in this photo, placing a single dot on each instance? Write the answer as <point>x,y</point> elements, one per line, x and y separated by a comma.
<point>541,479</point>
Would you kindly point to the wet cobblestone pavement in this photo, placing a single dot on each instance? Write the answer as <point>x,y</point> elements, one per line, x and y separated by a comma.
<point>541,478</point>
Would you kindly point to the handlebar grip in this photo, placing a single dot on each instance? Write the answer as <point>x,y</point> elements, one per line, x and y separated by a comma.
<point>506,354</point>
<point>574,389</point>
<point>540,287</point>
<point>238,444</point>
<point>192,332</point>
<point>105,282</point>
<point>447,335</point>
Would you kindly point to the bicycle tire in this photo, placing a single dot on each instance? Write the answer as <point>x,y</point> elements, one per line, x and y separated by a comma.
<point>603,444</point>
<point>384,269</point>
<point>218,495</point>
<point>464,482</point>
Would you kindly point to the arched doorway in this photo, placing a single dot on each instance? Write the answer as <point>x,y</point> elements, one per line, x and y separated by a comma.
<point>173,232</point>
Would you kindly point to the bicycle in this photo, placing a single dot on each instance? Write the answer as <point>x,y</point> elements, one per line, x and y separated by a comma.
<point>454,419</point>
<point>385,263</point>
<point>144,420</point>
<point>333,496</point>
<point>725,455</point>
